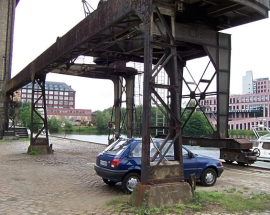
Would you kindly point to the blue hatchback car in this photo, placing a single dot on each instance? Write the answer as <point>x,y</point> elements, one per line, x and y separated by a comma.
<point>121,162</point>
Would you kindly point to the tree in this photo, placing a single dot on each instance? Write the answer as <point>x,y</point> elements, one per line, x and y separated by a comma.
<point>102,119</point>
<point>54,124</point>
<point>68,126</point>
<point>25,116</point>
<point>197,125</point>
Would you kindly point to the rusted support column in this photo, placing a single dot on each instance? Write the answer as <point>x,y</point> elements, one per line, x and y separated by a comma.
<point>39,122</point>
<point>174,78</point>
<point>129,104</point>
<point>221,59</point>
<point>148,54</point>
<point>118,85</point>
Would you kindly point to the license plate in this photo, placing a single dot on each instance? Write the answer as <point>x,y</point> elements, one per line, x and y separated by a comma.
<point>103,163</point>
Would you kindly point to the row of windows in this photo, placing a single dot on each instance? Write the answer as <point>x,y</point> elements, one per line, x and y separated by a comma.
<point>71,103</point>
<point>262,82</point>
<point>66,93</point>
<point>261,98</point>
<point>48,97</point>
<point>69,111</point>
<point>261,87</point>
<point>59,106</point>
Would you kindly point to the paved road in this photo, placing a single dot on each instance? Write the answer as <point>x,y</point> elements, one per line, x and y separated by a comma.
<point>65,181</point>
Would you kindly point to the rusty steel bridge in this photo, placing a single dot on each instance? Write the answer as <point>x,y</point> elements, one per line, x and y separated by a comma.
<point>161,34</point>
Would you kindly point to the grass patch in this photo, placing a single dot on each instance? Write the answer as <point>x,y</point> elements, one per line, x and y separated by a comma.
<point>33,153</point>
<point>227,201</point>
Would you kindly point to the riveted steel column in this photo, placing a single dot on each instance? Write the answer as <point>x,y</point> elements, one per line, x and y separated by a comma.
<point>221,59</point>
<point>148,53</point>
<point>118,84</point>
<point>38,111</point>
<point>129,103</point>
<point>174,77</point>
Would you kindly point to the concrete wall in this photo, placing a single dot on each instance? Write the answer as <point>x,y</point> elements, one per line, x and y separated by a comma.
<point>7,9</point>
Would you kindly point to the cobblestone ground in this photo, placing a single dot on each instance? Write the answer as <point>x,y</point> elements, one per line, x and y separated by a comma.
<point>61,183</point>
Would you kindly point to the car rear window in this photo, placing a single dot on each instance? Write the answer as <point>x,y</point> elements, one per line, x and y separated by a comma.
<point>117,147</point>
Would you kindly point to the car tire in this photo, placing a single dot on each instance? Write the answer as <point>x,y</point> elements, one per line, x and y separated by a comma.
<point>107,181</point>
<point>129,182</point>
<point>257,152</point>
<point>208,177</point>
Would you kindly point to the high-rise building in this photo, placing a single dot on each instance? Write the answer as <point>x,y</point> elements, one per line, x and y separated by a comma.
<point>247,83</point>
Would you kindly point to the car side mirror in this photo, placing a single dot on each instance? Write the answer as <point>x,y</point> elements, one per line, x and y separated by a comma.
<point>190,155</point>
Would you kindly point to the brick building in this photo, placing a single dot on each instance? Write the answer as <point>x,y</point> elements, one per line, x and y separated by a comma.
<point>245,110</point>
<point>60,100</point>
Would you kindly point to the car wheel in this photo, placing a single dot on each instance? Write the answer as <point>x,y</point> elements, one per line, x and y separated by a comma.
<point>110,183</point>
<point>208,177</point>
<point>129,182</point>
<point>256,152</point>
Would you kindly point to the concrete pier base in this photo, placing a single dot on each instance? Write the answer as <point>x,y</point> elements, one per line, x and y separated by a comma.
<point>40,149</point>
<point>158,195</point>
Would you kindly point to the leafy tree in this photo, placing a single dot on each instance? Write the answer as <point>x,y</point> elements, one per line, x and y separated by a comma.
<point>68,126</point>
<point>102,119</point>
<point>197,125</point>
<point>25,116</point>
<point>54,124</point>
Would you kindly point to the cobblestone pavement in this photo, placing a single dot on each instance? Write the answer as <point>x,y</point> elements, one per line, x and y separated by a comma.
<point>60,183</point>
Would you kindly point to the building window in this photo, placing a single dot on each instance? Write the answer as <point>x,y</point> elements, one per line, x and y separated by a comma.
<point>50,97</point>
<point>50,92</point>
<point>56,97</point>
<point>23,90</point>
<point>61,93</point>
<point>65,98</point>
<point>71,98</point>
<point>66,94</point>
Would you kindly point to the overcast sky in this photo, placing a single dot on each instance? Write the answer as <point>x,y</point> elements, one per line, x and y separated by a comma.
<point>39,23</point>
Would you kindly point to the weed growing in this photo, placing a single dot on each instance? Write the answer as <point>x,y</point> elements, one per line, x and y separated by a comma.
<point>227,201</point>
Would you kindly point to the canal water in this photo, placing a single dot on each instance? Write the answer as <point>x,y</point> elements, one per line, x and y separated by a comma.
<point>103,139</point>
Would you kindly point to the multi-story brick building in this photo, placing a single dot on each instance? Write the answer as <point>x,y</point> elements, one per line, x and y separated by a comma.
<point>245,110</point>
<point>60,100</point>
<point>58,95</point>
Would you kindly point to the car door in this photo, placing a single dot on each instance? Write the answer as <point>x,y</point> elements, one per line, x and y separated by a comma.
<point>190,163</point>
<point>134,157</point>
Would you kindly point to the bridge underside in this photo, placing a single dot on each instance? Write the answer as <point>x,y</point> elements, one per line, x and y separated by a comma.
<point>162,35</point>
